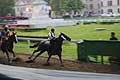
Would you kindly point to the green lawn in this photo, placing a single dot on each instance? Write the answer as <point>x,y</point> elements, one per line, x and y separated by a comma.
<point>75,32</point>
<point>79,32</point>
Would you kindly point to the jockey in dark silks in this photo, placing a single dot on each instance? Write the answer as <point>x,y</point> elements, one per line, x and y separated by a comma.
<point>5,33</point>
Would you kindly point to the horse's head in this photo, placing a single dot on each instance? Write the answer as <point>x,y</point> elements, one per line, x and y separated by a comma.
<point>13,37</point>
<point>64,37</point>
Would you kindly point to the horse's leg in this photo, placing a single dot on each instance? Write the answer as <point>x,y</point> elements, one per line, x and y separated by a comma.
<point>60,58</point>
<point>13,53</point>
<point>38,55</point>
<point>48,59</point>
<point>7,56</point>
<point>33,53</point>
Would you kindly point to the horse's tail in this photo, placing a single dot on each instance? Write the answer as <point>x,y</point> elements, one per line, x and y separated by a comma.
<point>35,45</point>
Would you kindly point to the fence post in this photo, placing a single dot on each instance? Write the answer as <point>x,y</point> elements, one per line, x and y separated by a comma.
<point>102,59</point>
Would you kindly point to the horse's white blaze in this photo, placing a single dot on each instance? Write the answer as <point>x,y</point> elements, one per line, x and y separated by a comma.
<point>63,37</point>
<point>16,38</point>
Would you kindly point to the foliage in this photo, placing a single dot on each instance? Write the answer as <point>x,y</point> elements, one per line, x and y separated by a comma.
<point>70,5</point>
<point>6,7</point>
<point>65,5</point>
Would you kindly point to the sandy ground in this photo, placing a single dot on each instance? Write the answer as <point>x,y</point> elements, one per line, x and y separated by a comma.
<point>69,65</point>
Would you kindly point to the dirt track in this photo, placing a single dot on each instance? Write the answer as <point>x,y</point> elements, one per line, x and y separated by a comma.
<point>68,65</point>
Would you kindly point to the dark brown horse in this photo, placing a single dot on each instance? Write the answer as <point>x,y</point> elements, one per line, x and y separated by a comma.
<point>7,45</point>
<point>46,46</point>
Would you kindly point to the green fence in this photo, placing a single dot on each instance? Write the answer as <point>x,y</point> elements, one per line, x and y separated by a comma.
<point>97,47</point>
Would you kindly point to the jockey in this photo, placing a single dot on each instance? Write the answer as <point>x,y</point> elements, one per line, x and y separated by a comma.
<point>51,37</point>
<point>5,33</point>
<point>51,34</point>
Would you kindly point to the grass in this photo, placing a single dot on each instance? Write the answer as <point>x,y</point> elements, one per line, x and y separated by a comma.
<point>75,32</point>
<point>79,32</point>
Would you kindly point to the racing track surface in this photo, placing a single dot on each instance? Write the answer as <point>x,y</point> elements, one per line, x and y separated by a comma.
<point>20,73</point>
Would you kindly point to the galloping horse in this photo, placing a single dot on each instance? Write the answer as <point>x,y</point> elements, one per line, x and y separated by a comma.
<point>46,46</point>
<point>7,45</point>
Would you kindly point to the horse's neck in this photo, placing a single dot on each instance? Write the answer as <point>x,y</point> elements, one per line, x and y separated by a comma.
<point>59,42</point>
<point>10,39</point>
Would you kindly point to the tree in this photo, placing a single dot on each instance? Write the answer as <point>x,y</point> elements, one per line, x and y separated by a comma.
<point>7,7</point>
<point>75,5</point>
<point>65,5</point>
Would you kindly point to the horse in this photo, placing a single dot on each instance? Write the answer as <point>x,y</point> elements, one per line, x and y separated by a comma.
<point>46,46</point>
<point>7,45</point>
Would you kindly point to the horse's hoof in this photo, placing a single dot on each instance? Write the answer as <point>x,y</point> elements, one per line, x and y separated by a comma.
<point>29,57</point>
<point>15,59</point>
<point>29,61</point>
<point>9,62</point>
<point>62,65</point>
